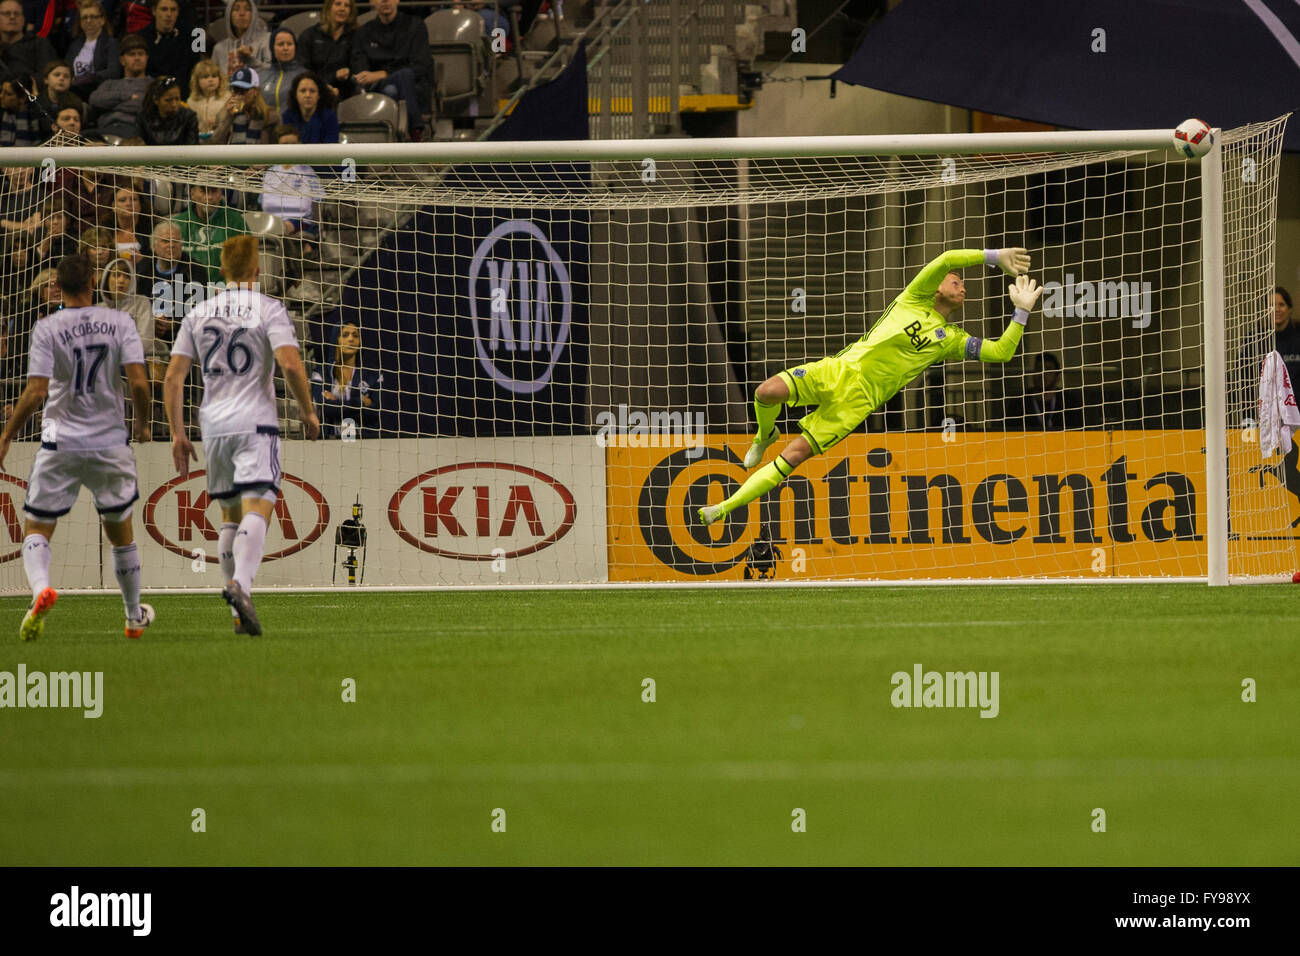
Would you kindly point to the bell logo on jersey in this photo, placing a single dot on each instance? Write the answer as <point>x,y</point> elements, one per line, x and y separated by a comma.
<point>914,334</point>
<point>521,303</point>
<point>180,516</point>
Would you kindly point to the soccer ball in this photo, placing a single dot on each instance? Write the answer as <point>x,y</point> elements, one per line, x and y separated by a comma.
<point>1193,138</point>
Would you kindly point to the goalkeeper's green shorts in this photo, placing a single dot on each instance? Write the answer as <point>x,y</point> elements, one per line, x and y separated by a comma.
<point>836,389</point>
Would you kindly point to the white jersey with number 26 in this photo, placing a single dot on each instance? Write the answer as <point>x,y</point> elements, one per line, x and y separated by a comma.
<point>233,337</point>
<point>81,351</point>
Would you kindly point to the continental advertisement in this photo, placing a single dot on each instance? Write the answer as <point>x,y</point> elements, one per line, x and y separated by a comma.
<point>914,506</point>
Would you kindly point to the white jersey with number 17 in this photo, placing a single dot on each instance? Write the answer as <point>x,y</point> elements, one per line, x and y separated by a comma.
<point>233,337</point>
<point>80,350</point>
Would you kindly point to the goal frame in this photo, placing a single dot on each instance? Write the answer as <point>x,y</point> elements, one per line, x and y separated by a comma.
<point>941,144</point>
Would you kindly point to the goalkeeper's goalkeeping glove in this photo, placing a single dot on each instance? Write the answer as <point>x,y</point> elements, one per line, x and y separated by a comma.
<point>1024,293</point>
<point>1013,262</point>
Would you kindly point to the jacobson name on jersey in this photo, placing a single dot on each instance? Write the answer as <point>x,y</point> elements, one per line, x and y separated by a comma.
<point>81,350</point>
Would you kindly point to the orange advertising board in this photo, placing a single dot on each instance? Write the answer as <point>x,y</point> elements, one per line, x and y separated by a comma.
<point>917,505</point>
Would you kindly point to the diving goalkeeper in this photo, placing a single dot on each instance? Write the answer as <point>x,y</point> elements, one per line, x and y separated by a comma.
<point>911,336</point>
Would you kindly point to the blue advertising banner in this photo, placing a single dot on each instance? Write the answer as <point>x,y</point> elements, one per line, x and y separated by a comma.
<point>480,322</point>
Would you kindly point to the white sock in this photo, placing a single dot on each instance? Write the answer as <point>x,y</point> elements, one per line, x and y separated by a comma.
<point>226,554</point>
<point>36,562</point>
<point>250,540</point>
<point>126,565</point>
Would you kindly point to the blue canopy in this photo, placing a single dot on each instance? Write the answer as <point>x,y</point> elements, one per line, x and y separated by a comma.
<point>1104,64</point>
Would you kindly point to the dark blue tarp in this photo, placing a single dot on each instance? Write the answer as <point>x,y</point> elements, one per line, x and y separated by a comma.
<point>1228,62</point>
<point>479,315</point>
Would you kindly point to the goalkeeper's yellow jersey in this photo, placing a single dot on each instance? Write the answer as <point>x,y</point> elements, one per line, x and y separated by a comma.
<point>910,336</point>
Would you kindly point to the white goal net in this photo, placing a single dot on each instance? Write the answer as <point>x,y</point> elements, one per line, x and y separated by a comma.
<point>535,362</point>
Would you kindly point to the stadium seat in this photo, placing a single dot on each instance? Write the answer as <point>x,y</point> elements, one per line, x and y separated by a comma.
<point>111,140</point>
<point>300,22</point>
<point>263,224</point>
<point>164,203</point>
<point>369,118</point>
<point>456,40</point>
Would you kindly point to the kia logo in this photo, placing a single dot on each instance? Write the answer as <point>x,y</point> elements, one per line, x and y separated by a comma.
<point>11,488</point>
<point>177,516</point>
<point>468,510</point>
<point>517,333</point>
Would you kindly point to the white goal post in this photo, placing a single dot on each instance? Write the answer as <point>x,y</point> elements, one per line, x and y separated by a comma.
<point>560,341</point>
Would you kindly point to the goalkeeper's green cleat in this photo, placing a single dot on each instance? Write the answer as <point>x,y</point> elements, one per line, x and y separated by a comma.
<point>33,625</point>
<point>754,456</point>
<point>710,514</point>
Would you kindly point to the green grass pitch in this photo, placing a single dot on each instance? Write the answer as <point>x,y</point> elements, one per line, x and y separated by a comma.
<point>1124,698</point>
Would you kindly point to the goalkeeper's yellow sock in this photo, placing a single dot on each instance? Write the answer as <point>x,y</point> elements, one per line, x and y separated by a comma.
<point>763,480</point>
<point>766,415</point>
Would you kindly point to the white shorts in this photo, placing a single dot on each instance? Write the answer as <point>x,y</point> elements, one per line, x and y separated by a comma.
<point>57,476</point>
<point>246,464</point>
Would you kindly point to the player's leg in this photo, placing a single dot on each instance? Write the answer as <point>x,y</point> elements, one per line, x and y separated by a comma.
<point>768,399</point>
<point>110,475</point>
<point>126,567</point>
<point>36,562</point>
<point>52,489</point>
<point>842,404</point>
<point>248,547</point>
<point>231,513</point>
<point>761,481</point>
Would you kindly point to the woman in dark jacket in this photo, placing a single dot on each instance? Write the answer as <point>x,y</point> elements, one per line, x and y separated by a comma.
<point>311,110</point>
<point>326,48</point>
<point>93,68</point>
<point>162,120</point>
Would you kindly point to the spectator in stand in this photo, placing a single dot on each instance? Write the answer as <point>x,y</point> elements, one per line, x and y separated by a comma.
<point>53,241</point>
<point>289,193</point>
<point>117,291</point>
<point>344,391</point>
<point>68,119</point>
<point>56,93</point>
<point>130,226</point>
<point>167,278</point>
<point>119,101</point>
<point>171,49</point>
<point>208,95</point>
<point>205,225</point>
<point>20,120</point>
<point>390,55</point>
<point>245,119</point>
<point>246,46</point>
<point>1286,334</point>
<point>51,19</point>
<point>22,52</point>
<point>41,297</point>
<point>325,48</point>
<point>97,245</point>
<point>20,204</point>
<point>163,120</point>
<point>48,242</point>
<point>93,52</point>
<point>87,196</point>
<point>285,68</point>
<point>311,111</point>
<point>134,15</point>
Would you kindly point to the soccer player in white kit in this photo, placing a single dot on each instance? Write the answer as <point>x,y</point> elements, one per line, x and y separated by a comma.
<point>74,361</point>
<point>238,336</point>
